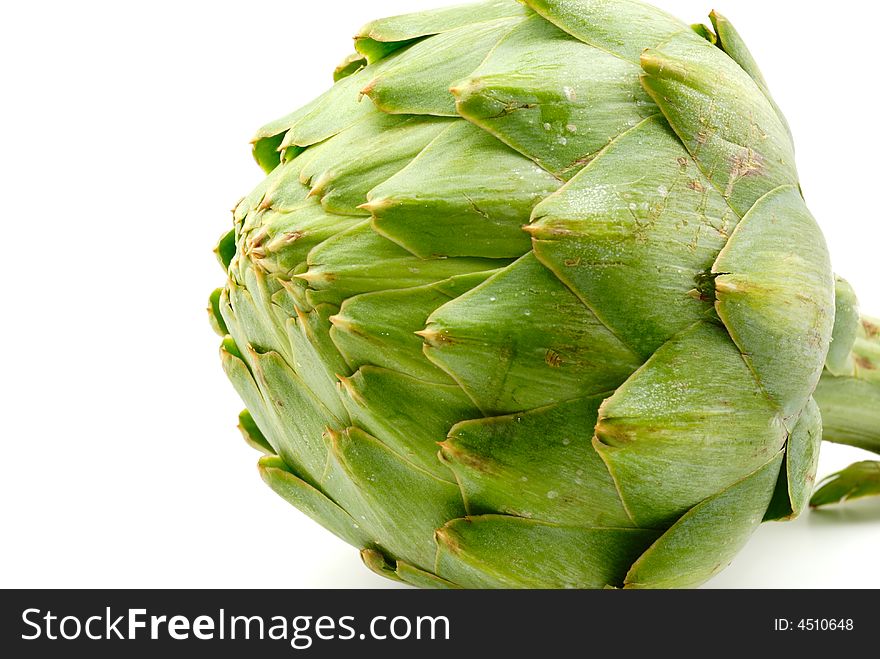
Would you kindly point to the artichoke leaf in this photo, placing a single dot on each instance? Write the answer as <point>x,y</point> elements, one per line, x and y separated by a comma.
<point>551,97</point>
<point>381,328</point>
<point>361,261</point>
<point>378,563</point>
<point>622,27</point>
<point>268,139</point>
<point>248,322</point>
<point>495,551</point>
<point>338,108</point>
<point>798,474</point>
<point>270,425</point>
<point>409,416</point>
<point>522,340</point>
<point>701,92</point>
<point>537,465</point>
<point>421,578</point>
<point>775,294</point>
<point>261,288</point>
<point>317,361</point>
<point>847,324</point>
<point>678,431</point>
<point>284,482</point>
<point>252,434</point>
<point>732,43</point>
<point>484,191</point>
<point>418,82</point>
<point>855,482</point>
<point>341,171</point>
<point>706,539</point>
<point>283,192</point>
<point>393,500</point>
<point>284,240</point>
<point>634,246</point>
<point>403,572</point>
<point>300,416</point>
<point>349,66</point>
<point>380,37</point>
<point>214,315</point>
<point>226,249</point>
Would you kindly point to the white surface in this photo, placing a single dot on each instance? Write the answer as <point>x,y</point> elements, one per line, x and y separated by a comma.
<point>124,131</point>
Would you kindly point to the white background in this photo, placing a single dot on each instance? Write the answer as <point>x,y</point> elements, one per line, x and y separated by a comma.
<point>124,132</point>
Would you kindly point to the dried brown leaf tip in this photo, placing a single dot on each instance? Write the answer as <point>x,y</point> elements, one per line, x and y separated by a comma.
<point>446,537</point>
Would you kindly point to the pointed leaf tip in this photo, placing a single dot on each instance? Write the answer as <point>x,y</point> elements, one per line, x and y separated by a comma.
<point>655,63</point>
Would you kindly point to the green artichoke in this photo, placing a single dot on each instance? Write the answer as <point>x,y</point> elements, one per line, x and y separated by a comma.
<point>531,298</point>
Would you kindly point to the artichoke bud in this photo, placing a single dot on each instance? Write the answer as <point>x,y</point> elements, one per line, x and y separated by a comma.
<point>531,298</point>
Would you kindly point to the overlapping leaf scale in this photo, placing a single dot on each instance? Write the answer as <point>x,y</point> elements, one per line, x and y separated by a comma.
<point>361,261</point>
<point>847,327</point>
<point>244,209</point>
<point>359,497</point>
<point>252,434</point>
<point>677,432</point>
<point>723,118</point>
<point>281,223</point>
<point>635,235</point>
<point>316,359</point>
<point>623,28</point>
<point>267,368</point>
<point>380,328</point>
<point>338,108</point>
<point>411,416</point>
<point>403,572</point>
<point>537,465</point>
<point>341,476</point>
<point>380,37</point>
<point>285,237</point>
<point>417,82</point>
<point>775,294</point>
<point>350,65</point>
<point>278,475</point>
<point>239,374</point>
<point>705,540</point>
<point>341,171</point>
<point>798,474</point>
<point>250,315</point>
<point>732,43</point>
<point>497,551</point>
<point>551,97</point>
<point>397,503</point>
<point>290,417</point>
<point>466,194</point>
<point>523,340</point>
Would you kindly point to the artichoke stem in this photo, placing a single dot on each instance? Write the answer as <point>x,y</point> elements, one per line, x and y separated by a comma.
<point>851,403</point>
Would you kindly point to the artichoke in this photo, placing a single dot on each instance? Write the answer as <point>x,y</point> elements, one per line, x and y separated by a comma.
<point>531,298</point>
